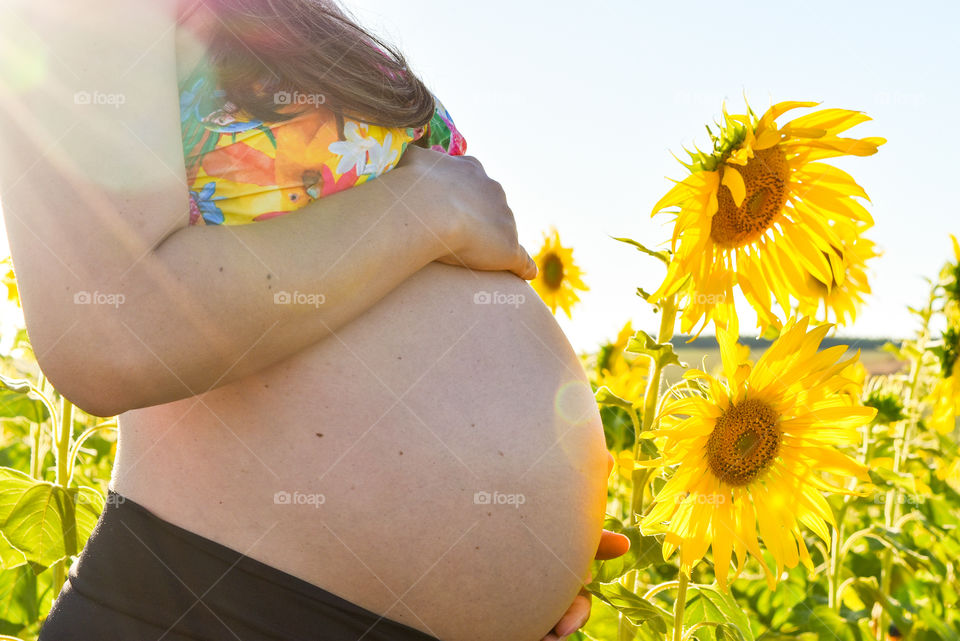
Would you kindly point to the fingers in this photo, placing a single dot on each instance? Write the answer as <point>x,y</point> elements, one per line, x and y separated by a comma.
<point>612,545</point>
<point>528,267</point>
<point>575,618</point>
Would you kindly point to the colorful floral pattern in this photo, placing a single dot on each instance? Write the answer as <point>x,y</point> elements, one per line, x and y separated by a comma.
<point>243,170</point>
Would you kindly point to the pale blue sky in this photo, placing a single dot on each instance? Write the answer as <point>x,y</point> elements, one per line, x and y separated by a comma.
<point>575,108</point>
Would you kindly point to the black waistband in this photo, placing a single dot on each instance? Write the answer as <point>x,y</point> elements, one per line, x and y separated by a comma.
<point>140,565</point>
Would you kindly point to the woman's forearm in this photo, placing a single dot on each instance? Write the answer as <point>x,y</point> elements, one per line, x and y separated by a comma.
<point>211,305</point>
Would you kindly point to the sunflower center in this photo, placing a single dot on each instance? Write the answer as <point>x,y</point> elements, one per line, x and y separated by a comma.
<point>552,268</point>
<point>765,178</point>
<point>744,442</point>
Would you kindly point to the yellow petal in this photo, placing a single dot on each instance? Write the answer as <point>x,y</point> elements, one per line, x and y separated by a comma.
<point>733,181</point>
<point>768,138</point>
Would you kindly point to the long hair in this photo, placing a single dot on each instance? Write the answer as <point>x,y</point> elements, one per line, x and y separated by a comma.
<point>263,48</point>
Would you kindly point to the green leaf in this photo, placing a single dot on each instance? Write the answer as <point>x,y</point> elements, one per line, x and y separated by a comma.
<point>897,540</point>
<point>869,592</point>
<point>633,607</point>
<point>604,396</point>
<point>708,604</point>
<point>10,557</point>
<point>13,485</point>
<point>602,624</point>
<point>661,353</point>
<point>728,631</point>
<point>933,622</point>
<point>644,550</point>
<point>18,596</point>
<point>43,524</point>
<point>663,256</point>
<point>89,504</point>
<point>19,385</point>
<point>16,404</point>
<point>827,624</point>
<point>887,478</point>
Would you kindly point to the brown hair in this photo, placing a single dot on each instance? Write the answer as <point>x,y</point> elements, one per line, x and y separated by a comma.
<point>260,48</point>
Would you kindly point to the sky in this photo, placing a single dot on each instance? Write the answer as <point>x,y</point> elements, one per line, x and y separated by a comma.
<point>576,107</point>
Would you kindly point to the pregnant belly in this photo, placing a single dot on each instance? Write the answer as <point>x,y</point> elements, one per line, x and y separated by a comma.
<point>439,461</point>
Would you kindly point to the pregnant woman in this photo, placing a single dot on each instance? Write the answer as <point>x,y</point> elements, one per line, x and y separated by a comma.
<point>324,433</point>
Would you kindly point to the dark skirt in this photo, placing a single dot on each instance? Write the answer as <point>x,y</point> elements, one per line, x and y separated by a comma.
<point>140,578</point>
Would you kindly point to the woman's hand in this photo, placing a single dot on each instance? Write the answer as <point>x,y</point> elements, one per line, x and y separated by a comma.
<point>611,546</point>
<point>475,222</point>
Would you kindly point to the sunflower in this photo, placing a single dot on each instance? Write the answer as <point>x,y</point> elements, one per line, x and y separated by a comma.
<point>559,277</point>
<point>628,381</point>
<point>612,356</point>
<point>946,392</point>
<point>841,296</point>
<point>762,213</point>
<point>10,280</point>
<point>750,451</point>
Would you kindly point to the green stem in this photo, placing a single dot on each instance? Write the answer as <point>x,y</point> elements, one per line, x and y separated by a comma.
<point>63,436</point>
<point>892,507</point>
<point>834,570</point>
<point>35,434</point>
<point>639,475</point>
<point>679,607</point>
<point>657,589</point>
<point>80,440</point>
<point>651,396</point>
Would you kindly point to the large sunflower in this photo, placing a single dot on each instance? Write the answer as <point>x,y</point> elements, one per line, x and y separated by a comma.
<point>559,277</point>
<point>750,452</point>
<point>760,211</point>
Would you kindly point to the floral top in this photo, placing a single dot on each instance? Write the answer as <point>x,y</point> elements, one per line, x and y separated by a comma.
<point>242,170</point>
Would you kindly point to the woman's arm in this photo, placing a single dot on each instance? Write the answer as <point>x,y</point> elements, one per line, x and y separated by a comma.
<point>126,305</point>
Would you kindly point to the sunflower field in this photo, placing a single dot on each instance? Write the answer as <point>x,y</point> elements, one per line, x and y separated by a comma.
<point>780,493</point>
<point>791,495</point>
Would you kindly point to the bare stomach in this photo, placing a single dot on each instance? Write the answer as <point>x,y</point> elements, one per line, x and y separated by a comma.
<point>439,461</point>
